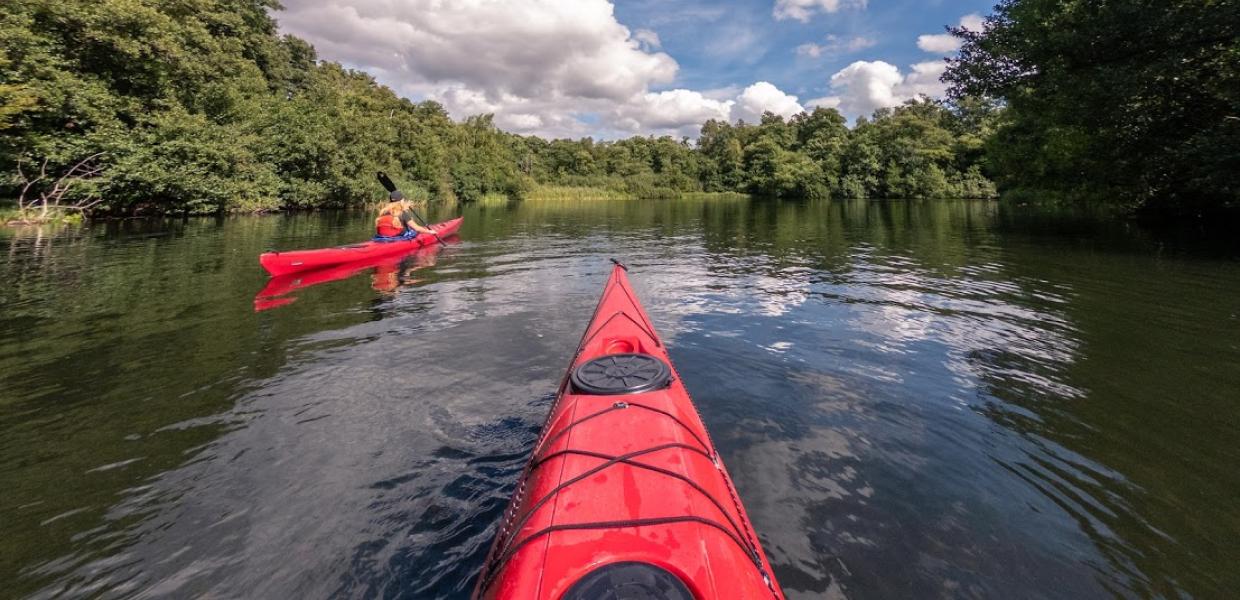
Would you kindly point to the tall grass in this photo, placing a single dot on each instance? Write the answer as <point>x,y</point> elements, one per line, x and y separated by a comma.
<point>493,199</point>
<point>9,213</point>
<point>587,193</point>
<point>725,196</point>
<point>568,192</point>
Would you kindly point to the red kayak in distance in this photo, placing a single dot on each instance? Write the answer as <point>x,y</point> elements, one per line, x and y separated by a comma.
<point>625,495</point>
<point>283,263</point>
<point>386,276</point>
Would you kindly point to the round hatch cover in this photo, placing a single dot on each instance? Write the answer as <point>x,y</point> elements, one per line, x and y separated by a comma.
<point>621,374</point>
<point>629,581</point>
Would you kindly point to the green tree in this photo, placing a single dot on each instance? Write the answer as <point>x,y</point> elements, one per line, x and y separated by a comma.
<point>822,135</point>
<point>1129,99</point>
<point>201,106</point>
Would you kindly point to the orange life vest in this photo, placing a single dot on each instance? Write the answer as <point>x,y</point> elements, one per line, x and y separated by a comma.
<point>389,225</point>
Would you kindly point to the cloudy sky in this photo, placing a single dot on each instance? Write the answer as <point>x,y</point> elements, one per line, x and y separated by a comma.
<point>608,69</point>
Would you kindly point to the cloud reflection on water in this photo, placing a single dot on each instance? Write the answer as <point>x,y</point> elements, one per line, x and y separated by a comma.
<point>893,408</point>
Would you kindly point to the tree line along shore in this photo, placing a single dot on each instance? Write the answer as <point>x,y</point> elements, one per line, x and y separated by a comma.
<point>124,107</point>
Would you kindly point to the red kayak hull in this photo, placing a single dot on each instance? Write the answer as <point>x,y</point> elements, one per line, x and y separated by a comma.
<point>617,480</point>
<point>283,263</point>
<point>386,275</point>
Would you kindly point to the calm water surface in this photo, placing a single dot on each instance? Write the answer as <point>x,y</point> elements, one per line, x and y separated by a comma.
<point>944,399</point>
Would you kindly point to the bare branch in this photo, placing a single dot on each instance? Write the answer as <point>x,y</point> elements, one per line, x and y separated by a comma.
<point>84,169</point>
<point>73,172</point>
<point>48,199</point>
<point>84,205</point>
<point>22,203</point>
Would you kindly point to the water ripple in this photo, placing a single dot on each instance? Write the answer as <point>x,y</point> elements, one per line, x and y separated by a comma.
<point>915,400</point>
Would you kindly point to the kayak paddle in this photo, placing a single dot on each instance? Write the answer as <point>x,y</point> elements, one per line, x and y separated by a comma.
<point>391,188</point>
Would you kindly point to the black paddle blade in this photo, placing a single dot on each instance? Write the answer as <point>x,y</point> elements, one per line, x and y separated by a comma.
<point>386,181</point>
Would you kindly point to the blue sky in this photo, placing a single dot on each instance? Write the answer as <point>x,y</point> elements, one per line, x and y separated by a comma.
<point>608,69</point>
<point>720,44</point>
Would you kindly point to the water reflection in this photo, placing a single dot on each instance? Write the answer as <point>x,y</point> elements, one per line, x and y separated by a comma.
<point>387,274</point>
<point>916,399</point>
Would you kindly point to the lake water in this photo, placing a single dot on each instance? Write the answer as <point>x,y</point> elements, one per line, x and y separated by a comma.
<point>917,400</point>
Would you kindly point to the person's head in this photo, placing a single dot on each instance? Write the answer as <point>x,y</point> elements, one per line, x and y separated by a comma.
<point>397,202</point>
<point>392,208</point>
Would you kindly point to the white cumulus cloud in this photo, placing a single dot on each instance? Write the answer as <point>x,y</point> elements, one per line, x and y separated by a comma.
<point>520,121</point>
<point>520,59</point>
<point>942,43</point>
<point>865,86</point>
<point>523,47</point>
<point>946,43</point>
<point>557,68</point>
<point>973,22</point>
<point>682,112</point>
<point>802,10</point>
<point>924,80</point>
<point>672,111</point>
<point>763,97</point>
<point>648,38</point>
<point>825,102</point>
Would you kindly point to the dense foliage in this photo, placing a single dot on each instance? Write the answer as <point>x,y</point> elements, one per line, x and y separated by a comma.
<point>919,150</point>
<point>201,106</point>
<point>1129,100</point>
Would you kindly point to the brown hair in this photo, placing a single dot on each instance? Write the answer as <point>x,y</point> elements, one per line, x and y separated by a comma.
<point>394,208</point>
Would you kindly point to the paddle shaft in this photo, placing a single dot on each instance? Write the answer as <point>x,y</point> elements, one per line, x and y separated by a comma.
<point>391,187</point>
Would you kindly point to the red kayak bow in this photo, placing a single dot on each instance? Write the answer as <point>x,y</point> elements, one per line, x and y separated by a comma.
<point>283,263</point>
<point>625,495</point>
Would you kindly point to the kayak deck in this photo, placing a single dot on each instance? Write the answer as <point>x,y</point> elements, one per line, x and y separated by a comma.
<point>295,261</point>
<point>624,488</point>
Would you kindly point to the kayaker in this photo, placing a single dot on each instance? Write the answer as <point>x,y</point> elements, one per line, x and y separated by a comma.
<point>396,220</point>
